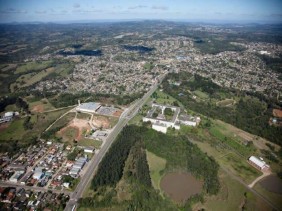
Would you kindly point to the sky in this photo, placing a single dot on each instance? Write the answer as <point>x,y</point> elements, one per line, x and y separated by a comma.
<point>95,10</point>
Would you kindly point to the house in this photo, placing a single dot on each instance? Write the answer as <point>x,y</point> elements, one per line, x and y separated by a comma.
<point>38,173</point>
<point>16,176</point>
<point>89,150</point>
<point>258,163</point>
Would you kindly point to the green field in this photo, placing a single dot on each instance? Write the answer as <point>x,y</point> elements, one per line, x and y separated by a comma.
<point>275,198</point>
<point>222,134</point>
<point>156,166</point>
<point>43,104</point>
<point>240,167</point>
<point>226,102</point>
<point>15,130</point>
<point>201,94</point>
<point>90,143</point>
<point>30,78</point>
<point>33,66</point>
<point>83,116</point>
<point>231,196</point>
<point>163,98</point>
<point>64,120</point>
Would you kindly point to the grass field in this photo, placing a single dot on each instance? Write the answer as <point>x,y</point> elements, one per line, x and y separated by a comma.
<point>90,143</point>
<point>163,98</point>
<point>40,106</point>
<point>83,116</point>
<point>226,102</point>
<point>137,120</point>
<point>44,120</point>
<point>33,66</point>
<point>275,198</point>
<point>64,120</point>
<point>240,167</point>
<point>15,130</point>
<point>31,78</point>
<point>69,134</point>
<point>156,166</point>
<point>220,132</point>
<point>201,94</point>
<point>231,196</point>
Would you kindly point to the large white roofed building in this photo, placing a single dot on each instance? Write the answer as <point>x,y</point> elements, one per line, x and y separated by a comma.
<point>88,107</point>
<point>259,164</point>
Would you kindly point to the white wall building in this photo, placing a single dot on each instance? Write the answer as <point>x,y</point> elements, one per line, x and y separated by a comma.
<point>159,127</point>
<point>88,107</point>
<point>258,163</point>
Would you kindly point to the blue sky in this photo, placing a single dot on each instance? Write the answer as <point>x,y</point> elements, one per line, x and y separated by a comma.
<point>205,10</point>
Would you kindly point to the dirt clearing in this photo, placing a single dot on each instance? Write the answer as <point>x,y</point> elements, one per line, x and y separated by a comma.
<point>75,129</point>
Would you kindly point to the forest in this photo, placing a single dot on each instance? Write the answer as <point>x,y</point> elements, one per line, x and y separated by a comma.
<point>126,163</point>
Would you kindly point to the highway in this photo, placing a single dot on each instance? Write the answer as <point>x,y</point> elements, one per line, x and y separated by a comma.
<point>126,116</point>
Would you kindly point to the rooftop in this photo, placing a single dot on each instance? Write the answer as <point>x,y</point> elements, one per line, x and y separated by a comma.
<point>89,106</point>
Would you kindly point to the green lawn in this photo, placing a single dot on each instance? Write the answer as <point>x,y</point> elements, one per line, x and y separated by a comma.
<point>31,78</point>
<point>15,130</point>
<point>64,120</point>
<point>156,166</point>
<point>43,102</point>
<point>201,94</point>
<point>163,98</point>
<point>240,167</point>
<point>275,198</point>
<point>83,116</point>
<point>231,197</point>
<point>226,102</point>
<point>90,143</point>
<point>33,66</point>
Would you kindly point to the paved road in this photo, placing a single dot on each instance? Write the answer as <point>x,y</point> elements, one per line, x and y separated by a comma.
<point>94,162</point>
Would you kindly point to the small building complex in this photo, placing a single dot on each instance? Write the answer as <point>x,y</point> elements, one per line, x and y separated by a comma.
<point>258,163</point>
<point>161,122</point>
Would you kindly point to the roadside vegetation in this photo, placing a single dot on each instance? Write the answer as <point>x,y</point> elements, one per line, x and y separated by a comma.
<point>251,112</point>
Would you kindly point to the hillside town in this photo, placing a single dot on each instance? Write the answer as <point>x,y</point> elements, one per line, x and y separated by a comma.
<point>120,71</point>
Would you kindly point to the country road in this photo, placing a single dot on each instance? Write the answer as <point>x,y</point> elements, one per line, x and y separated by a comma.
<point>127,115</point>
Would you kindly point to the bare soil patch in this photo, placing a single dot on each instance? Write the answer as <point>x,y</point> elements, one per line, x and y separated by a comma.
<point>272,183</point>
<point>277,113</point>
<point>101,121</point>
<point>38,108</point>
<point>180,186</point>
<point>3,126</point>
<point>117,113</point>
<point>79,125</point>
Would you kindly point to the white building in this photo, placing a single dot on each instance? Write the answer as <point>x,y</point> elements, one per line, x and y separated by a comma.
<point>258,163</point>
<point>38,173</point>
<point>88,107</point>
<point>160,127</point>
<point>159,123</point>
<point>89,150</point>
<point>16,176</point>
<point>189,120</point>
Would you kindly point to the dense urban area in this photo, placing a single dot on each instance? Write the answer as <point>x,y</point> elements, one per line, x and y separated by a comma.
<point>140,115</point>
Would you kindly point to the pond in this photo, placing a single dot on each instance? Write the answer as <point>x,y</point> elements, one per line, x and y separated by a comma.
<point>180,186</point>
<point>272,183</point>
